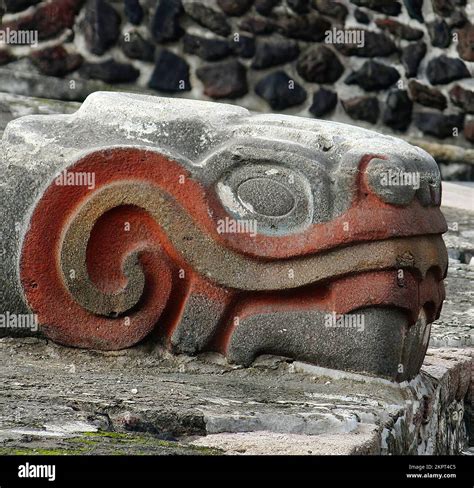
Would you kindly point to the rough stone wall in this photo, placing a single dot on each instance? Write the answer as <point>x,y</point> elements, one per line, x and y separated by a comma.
<point>409,70</point>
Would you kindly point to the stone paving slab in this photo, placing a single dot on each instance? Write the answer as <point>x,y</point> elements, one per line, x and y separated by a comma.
<point>455,327</point>
<point>459,195</point>
<point>60,400</point>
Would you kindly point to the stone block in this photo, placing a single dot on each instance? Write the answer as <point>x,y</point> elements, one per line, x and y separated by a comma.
<point>223,231</point>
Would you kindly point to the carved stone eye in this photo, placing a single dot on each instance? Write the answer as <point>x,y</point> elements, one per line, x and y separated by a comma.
<point>266,196</point>
<point>277,197</point>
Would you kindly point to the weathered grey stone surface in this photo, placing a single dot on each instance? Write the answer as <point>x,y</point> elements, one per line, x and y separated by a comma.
<point>15,106</point>
<point>30,84</point>
<point>161,404</point>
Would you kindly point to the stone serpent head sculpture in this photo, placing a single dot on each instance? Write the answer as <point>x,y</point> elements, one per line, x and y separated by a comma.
<point>223,231</point>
